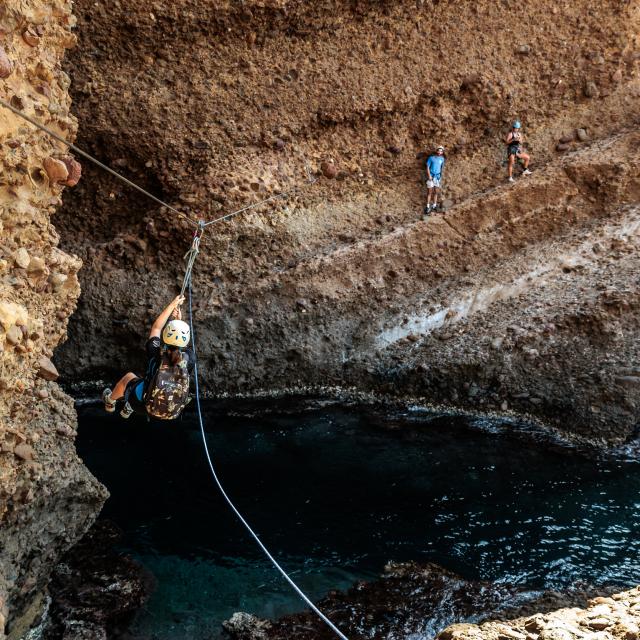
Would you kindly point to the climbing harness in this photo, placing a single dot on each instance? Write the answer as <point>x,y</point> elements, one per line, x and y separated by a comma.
<point>254,535</point>
<point>190,258</point>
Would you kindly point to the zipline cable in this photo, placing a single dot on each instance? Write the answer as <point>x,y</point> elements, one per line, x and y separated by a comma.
<point>224,493</point>
<point>133,185</point>
<point>190,257</point>
<point>95,161</point>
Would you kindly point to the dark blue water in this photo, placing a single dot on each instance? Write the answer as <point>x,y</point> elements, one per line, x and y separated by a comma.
<point>336,492</point>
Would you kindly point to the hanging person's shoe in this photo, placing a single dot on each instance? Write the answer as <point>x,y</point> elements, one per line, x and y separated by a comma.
<point>109,402</point>
<point>127,410</point>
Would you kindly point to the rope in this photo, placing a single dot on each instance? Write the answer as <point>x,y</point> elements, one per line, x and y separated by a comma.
<point>191,257</point>
<point>226,497</point>
<point>133,185</point>
<point>95,161</point>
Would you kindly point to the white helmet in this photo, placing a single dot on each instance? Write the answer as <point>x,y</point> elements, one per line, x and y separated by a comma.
<point>176,333</point>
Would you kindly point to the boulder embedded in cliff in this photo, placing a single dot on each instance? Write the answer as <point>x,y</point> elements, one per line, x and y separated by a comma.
<point>47,369</point>
<point>24,452</point>
<point>21,258</point>
<point>74,169</point>
<point>6,66</point>
<point>56,170</point>
<point>328,170</point>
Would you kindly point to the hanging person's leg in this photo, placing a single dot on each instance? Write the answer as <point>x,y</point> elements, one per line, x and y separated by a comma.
<point>110,397</point>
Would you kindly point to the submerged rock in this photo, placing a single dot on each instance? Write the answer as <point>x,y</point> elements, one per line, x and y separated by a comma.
<point>95,590</point>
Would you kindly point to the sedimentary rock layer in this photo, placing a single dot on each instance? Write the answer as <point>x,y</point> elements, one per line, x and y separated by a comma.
<point>218,105</point>
<point>47,497</point>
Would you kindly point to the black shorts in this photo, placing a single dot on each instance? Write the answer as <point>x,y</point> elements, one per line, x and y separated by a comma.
<point>514,150</point>
<point>134,394</point>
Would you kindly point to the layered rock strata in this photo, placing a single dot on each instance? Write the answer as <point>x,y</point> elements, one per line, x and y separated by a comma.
<point>47,497</point>
<point>221,105</point>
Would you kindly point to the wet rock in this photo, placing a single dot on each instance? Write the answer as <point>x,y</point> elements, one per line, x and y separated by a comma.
<point>95,589</point>
<point>56,170</point>
<point>83,630</point>
<point>24,452</point>
<point>245,626</point>
<point>582,135</point>
<point>46,369</point>
<point>74,170</point>
<point>591,90</point>
<point>329,170</point>
<point>6,66</point>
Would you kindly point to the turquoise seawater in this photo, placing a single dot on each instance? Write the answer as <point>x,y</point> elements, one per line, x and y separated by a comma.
<point>335,492</point>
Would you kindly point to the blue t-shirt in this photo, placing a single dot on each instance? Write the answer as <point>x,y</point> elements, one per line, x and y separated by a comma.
<point>435,164</point>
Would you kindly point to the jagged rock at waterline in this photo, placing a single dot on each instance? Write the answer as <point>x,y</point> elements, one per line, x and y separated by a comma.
<point>415,601</point>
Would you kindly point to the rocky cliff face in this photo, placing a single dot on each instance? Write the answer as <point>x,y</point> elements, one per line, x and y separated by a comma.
<point>47,497</point>
<point>518,298</point>
<point>523,298</point>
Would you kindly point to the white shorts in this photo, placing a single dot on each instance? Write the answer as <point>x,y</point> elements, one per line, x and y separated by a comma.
<point>434,182</point>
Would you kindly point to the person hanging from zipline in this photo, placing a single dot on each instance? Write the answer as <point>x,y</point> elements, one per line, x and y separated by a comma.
<point>163,392</point>
<point>433,168</point>
<point>515,150</point>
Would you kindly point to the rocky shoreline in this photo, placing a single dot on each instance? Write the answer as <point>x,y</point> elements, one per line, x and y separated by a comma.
<point>419,601</point>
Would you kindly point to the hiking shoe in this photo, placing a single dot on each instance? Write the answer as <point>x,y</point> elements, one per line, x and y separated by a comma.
<point>511,179</point>
<point>526,172</point>
<point>109,403</point>
<point>127,410</point>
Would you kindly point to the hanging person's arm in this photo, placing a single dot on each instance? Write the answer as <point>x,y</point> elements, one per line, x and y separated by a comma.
<point>161,320</point>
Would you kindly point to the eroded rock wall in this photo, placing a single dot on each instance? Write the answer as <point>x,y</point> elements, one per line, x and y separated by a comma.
<point>47,497</point>
<point>219,105</point>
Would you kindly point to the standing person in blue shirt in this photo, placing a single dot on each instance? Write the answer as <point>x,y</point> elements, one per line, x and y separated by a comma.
<point>434,166</point>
